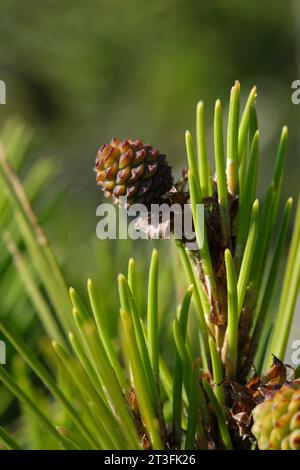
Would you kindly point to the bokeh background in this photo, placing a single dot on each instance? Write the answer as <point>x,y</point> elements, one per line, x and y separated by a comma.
<point>79,73</point>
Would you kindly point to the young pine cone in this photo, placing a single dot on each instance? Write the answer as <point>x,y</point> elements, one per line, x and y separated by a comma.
<point>130,168</point>
<point>277,419</point>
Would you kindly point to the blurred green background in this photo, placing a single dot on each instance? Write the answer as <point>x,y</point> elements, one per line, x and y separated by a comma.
<point>80,73</point>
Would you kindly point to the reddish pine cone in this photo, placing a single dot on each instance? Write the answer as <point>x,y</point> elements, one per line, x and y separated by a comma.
<point>130,168</point>
<point>277,419</point>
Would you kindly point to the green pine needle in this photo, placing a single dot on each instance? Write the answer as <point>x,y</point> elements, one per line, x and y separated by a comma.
<point>193,405</point>
<point>178,368</point>
<point>263,319</point>
<point>219,414</point>
<point>244,124</point>
<point>8,440</point>
<point>99,316</point>
<point>18,393</point>
<point>217,372</point>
